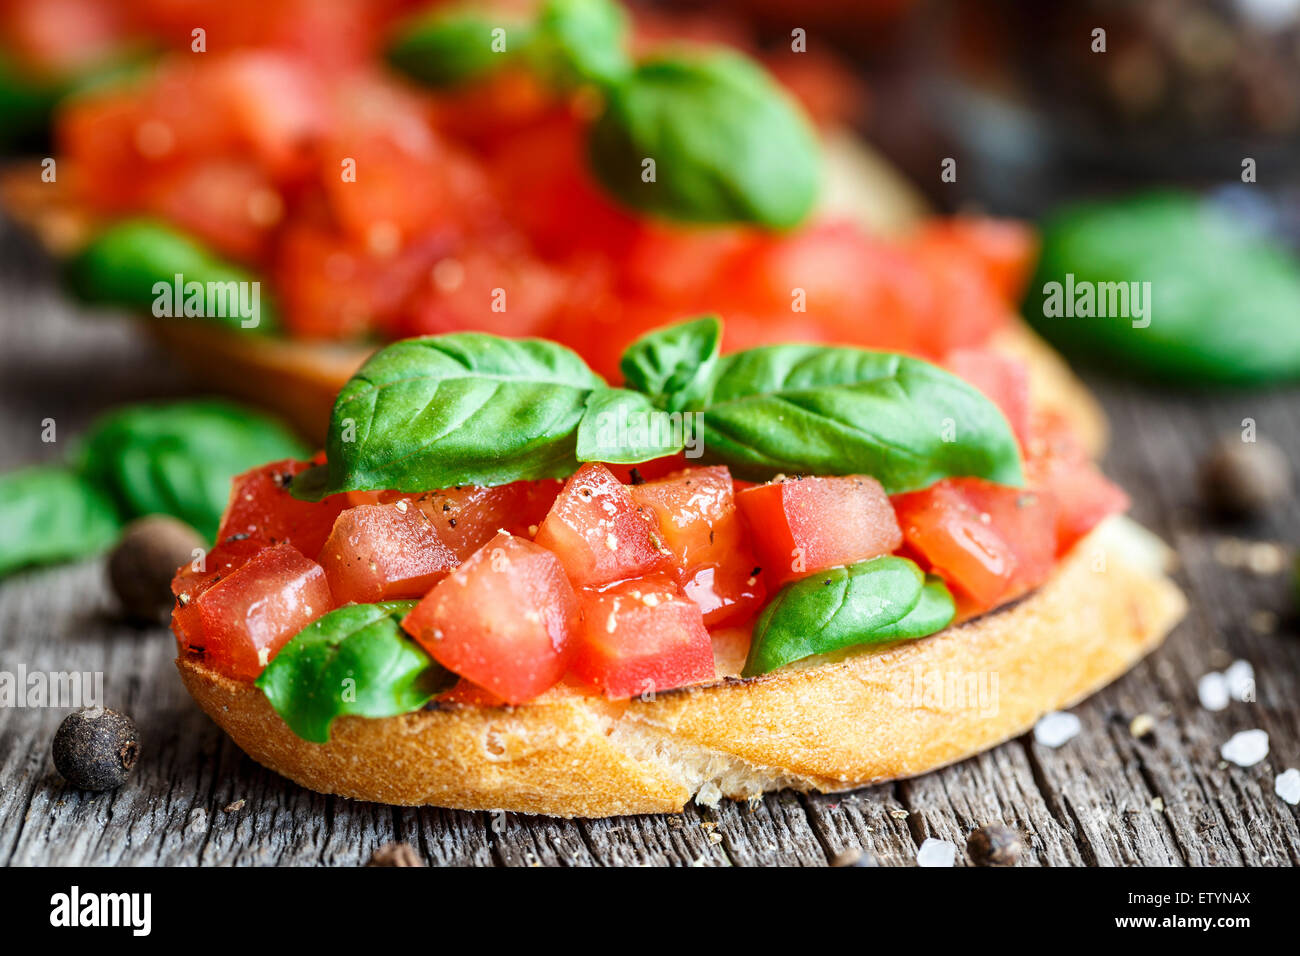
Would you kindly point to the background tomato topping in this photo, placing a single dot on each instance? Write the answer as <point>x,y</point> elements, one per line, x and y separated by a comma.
<point>262,507</point>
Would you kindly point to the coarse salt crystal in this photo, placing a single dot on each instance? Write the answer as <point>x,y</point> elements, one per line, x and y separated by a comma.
<point>1212,689</point>
<point>1056,728</point>
<point>1246,748</point>
<point>1287,786</point>
<point>936,853</point>
<point>1240,678</point>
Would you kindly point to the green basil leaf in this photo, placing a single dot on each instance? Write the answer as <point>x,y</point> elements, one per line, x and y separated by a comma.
<point>724,143</point>
<point>625,427</point>
<point>583,41</point>
<point>667,363</point>
<point>824,612</point>
<point>354,660</point>
<point>1191,294</point>
<point>450,47</point>
<point>464,408</point>
<point>934,611</point>
<point>50,513</point>
<point>178,458</point>
<point>825,410</point>
<point>135,264</point>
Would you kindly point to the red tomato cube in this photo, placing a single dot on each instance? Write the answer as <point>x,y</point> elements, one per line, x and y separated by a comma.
<point>599,534</point>
<point>261,507</point>
<point>992,542</point>
<point>1057,464</point>
<point>504,619</point>
<point>641,636</point>
<point>804,525</point>
<point>250,614</point>
<point>469,516</point>
<point>191,581</point>
<point>384,552</point>
<point>698,522</point>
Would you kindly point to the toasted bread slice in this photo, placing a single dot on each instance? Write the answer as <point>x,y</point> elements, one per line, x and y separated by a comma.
<point>299,379</point>
<point>828,723</point>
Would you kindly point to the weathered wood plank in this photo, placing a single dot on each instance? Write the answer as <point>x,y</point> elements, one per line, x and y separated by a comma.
<point>1089,802</point>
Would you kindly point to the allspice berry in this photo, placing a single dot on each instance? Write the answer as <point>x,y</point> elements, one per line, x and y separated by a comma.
<point>142,565</point>
<point>994,845</point>
<point>855,857</point>
<point>96,751</point>
<point>395,854</point>
<point>1245,478</point>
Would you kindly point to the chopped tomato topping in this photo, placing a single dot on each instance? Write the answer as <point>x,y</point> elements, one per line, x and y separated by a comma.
<point>641,636</point>
<point>1002,379</point>
<point>1058,464</point>
<point>194,578</point>
<point>504,619</point>
<point>261,507</point>
<point>991,542</point>
<point>598,532</point>
<point>698,522</point>
<point>467,517</point>
<point>248,615</point>
<point>384,552</point>
<point>804,525</point>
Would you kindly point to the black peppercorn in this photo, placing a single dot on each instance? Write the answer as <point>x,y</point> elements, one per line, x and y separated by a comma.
<point>855,857</point>
<point>1245,478</point>
<point>96,752</point>
<point>142,565</point>
<point>994,845</point>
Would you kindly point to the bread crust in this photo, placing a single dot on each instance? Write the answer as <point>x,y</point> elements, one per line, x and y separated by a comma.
<point>831,723</point>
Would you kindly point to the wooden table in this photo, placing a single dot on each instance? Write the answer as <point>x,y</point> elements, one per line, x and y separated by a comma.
<point>1103,798</point>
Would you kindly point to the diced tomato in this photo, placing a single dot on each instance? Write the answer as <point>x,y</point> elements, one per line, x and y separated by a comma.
<point>1058,464</point>
<point>647,470</point>
<point>599,534</point>
<point>505,619</point>
<point>992,542</point>
<point>230,204</point>
<point>190,582</point>
<point>261,507</point>
<point>698,522</point>
<point>384,552</point>
<point>804,525</point>
<point>250,614</point>
<point>641,636</point>
<point>1001,378</point>
<point>467,517</point>
<point>1003,248</point>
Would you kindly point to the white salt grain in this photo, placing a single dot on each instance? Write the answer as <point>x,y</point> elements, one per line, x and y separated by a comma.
<point>1246,748</point>
<point>1287,786</point>
<point>1212,689</point>
<point>1056,728</point>
<point>1240,678</point>
<point>936,853</point>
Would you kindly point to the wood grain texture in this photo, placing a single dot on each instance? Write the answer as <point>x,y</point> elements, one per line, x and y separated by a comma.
<point>1089,802</point>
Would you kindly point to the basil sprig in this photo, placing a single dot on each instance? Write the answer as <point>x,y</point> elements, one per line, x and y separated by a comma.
<point>464,408</point>
<point>471,408</point>
<point>354,660</point>
<point>883,599</point>
<point>700,135</point>
<point>175,459</point>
